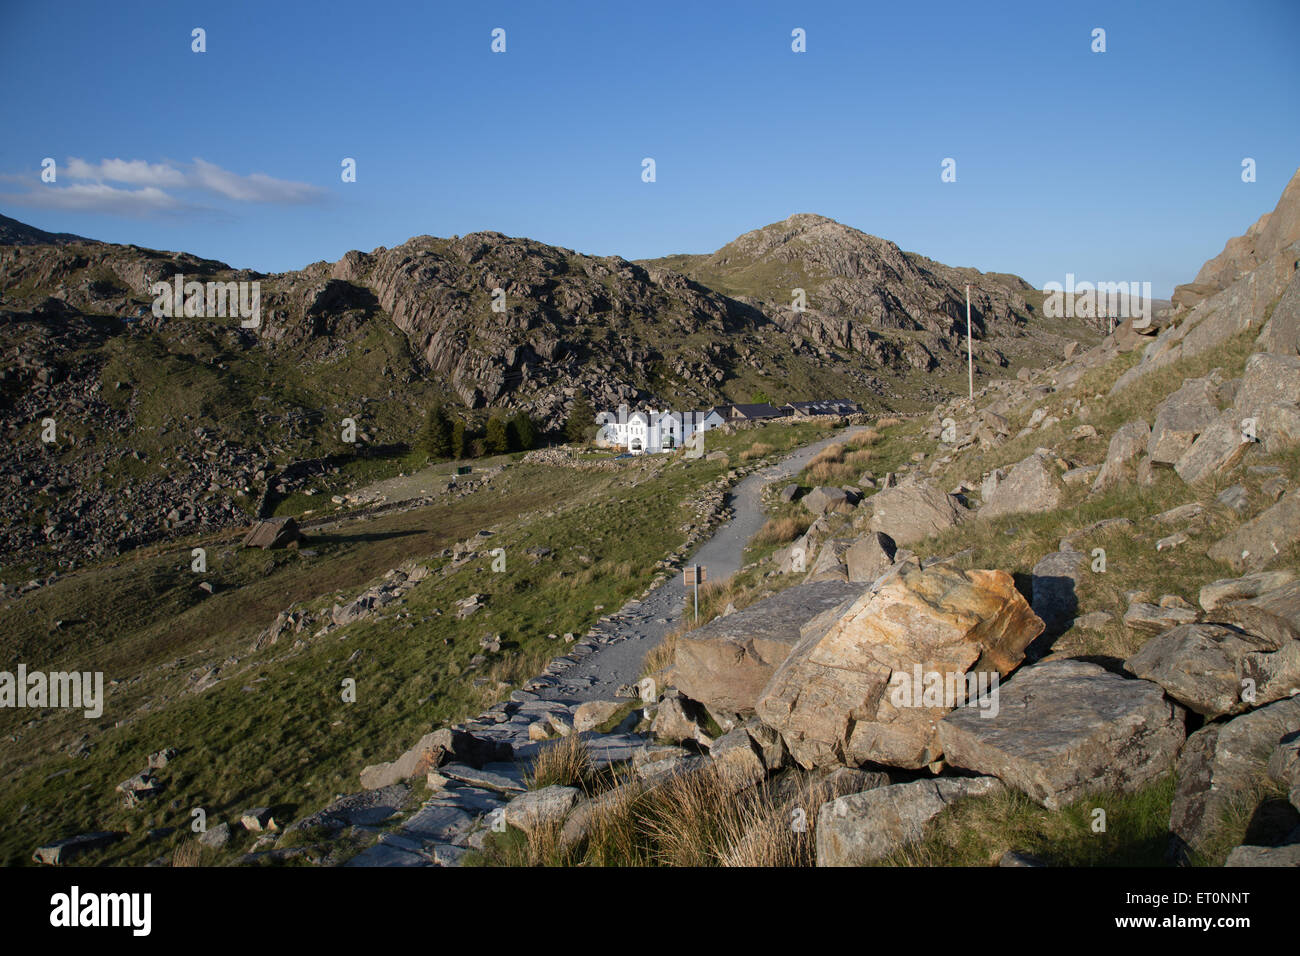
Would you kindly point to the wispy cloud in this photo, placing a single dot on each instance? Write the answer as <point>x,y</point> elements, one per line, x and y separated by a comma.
<point>256,187</point>
<point>136,172</point>
<point>99,197</point>
<point>92,189</point>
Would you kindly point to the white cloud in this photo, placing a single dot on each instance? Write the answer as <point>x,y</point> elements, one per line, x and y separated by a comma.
<point>98,197</point>
<point>256,187</point>
<point>136,172</point>
<point>92,191</point>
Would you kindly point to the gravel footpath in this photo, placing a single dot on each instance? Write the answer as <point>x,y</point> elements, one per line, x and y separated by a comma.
<point>629,634</point>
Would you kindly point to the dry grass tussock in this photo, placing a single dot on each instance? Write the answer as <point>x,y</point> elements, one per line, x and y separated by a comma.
<point>565,762</point>
<point>781,530</point>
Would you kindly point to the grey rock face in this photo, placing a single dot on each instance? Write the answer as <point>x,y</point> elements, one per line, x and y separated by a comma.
<point>1032,485</point>
<point>861,828</point>
<point>1220,763</point>
<point>726,663</point>
<point>1256,544</point>
<point>870,556</point>
<point>911,512</point>
<point>1129,442</point>
<point>1216,670</point>
<point>1064,727</point>
<point>1216,450</point>
<point>1054,584</point>
<point>1182,417</point>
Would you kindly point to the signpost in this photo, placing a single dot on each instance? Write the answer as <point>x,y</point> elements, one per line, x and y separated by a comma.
<point>696,574</point>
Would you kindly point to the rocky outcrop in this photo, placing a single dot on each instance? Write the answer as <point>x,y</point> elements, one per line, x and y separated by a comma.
<point>1032,485</point>
<point>1217,670</point>
<point>1221,766</point>
<point>726,663</point>
<point>1064,727</point>
<point>831,699</point>
<point>1270,235</point>
<point>912,511</point>
<point>861,828</point>
<point>1259,542</point>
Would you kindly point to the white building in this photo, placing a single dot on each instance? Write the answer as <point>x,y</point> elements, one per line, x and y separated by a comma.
<point>652,432</point>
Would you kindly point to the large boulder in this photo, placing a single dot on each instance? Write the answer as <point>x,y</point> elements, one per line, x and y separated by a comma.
<point>831,700</point>
<point>1216,670</point>
<point>1181,417</point>
<point>1256,544</point>
<point>1032,485</point>
<point>862,828</point>
<point>1282,331</point>
<point>1064,727</point>
<point>1221,764</point>
<point>1216,450</point>
<point>870,556</point>
<point>912,511</point>
<point>726,663</point>
<point>1268,380</point>
<point>1126,445</point>
<point>823,499</point>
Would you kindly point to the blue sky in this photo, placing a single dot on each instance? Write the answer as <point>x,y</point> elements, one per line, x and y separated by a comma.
<point>1123,165</point>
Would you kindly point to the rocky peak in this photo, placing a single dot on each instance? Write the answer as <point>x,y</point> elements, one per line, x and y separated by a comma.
<point>1270,237</point>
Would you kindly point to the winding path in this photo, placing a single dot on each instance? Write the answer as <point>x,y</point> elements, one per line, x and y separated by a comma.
<point>640,625</point>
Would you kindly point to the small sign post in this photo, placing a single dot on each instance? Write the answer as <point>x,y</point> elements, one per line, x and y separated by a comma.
<point>695,575</point>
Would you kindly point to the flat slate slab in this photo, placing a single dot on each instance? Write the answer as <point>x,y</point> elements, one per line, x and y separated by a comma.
<point>1065,727</point>
<point>438,823</point>
<point>384,854</point>
<point>504,777</point>
<point>606,749</point>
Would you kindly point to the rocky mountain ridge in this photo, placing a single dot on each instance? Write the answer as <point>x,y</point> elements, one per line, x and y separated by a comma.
<point>203,417</point>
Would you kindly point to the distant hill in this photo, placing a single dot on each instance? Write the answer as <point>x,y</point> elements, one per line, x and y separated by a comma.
<point>15,233</point>
<point>201,417</point>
